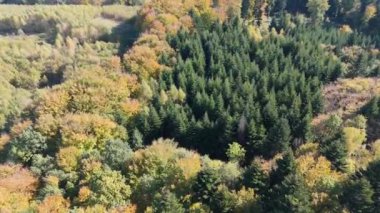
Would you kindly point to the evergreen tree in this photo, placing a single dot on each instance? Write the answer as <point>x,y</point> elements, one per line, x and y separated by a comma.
<point>137,140</point>
<point>167,202</point>
<point>291,195</point>
<point>255,178</point>
<point>336,151</point>
<point>205,186</point>
<point>373,176</point>
<point>256,138</point>
<point>279,137</point>
<point>357,196</point>
<point>285,166</point>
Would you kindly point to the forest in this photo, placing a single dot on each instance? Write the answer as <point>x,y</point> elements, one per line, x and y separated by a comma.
<point>190,106</point>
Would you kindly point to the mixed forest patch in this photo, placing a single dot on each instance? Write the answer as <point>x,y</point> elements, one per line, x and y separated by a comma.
<point>190,106</point>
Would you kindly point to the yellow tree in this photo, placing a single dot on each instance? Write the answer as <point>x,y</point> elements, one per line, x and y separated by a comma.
<point>317,9</point>
<point>369,13</point>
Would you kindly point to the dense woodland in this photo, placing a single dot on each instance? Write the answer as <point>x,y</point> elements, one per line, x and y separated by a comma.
<point>190,106</point>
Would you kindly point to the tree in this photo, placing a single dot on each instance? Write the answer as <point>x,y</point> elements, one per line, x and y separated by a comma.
<point>108,188</point>
<point>26,145</point>
<point>89,131</point>
<point>224,200</point>
<point>54,203</point>
<point>257,136</point>
<point>235,152</point>
<point>317,9</point>
<point>137,140</point>
<point>336,151</point>
<point>354,138</point>
<point>369,13</point>
<point>167,202</point>
<point>248,9</point>
<point>116,153</point>
<point>206,185</point>
<point>372,108</point>
<point>255,178</point>
<point>317,173</point>
<point>285,166</point>
<point>291,195</point>
<point>68,158</point>
<point>372,175</point>
<point>279,137</point>
<point>357,196</point>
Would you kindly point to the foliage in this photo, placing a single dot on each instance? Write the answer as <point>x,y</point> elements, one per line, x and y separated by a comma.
<point>358,197</point>
<point>116,153</point>
<point>255,178</point>
<point>54,203</point>
<point>108,188</point>
<point>317,9</point>
<point>291,195</point>
<point>167,202</point>
<point>206,186</point>
<point>274,97</point>
<point>26,145</point>
<point>87,132</point>
<point>210,83</point>
<point>17,187</point>
<point>235,152</point>
<point>318,173</point>
<point>354,138</point>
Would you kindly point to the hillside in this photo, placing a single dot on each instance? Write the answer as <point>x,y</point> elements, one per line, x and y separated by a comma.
<point>190,106</point>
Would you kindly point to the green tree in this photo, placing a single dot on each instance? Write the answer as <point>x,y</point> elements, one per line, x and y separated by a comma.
<point>116,153</point>
<point>291,195</point>
<point>108,188</point>
<point>256,138</point>
<point>357,196</point>
<point>285,166</point>
<point>255,178</point>
<point>235,152</point>
<point>26,145</point>
<point>167,202</point>
<point>137,140</point>
<point>206,185</point>
<point>279,137</point>
<point>336,151</point>
<point>373,176</point>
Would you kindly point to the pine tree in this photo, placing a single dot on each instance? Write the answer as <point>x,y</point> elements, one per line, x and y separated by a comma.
<point>357,196</point>
<point>373,176</point>
<point>291,195</point>
<point>257,135</point>
<point>285,166</point>
<point>270,113</point>
<point>372,108</point>
<point>205,186</point>
<point>255,178</point>
<point>137,141</point>
<point>167,202</point>
<point>335,151</point>
<point>278,138</point>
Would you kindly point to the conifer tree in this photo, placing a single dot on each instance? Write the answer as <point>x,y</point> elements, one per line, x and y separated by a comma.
<point>357,196</point>
<point>291,195</point>
<point>255,178</point>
